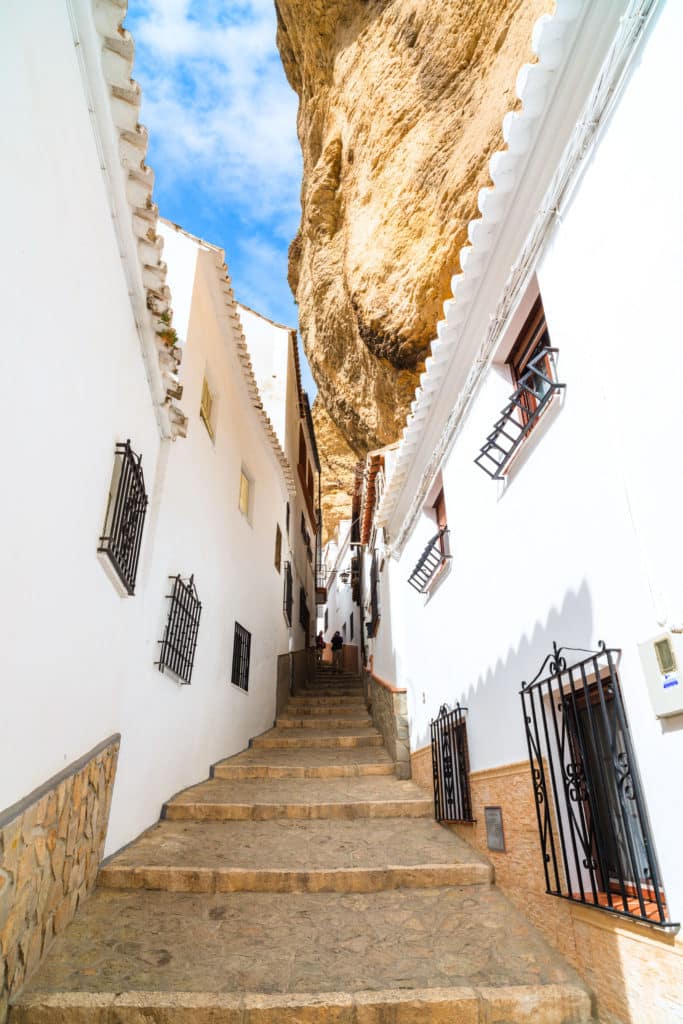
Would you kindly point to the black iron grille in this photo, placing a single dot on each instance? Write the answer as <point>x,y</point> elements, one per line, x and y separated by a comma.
<point>374,595</point>
<point>536,387</point>
<point>430,561</point>
<point>304,614</point>
<point>126,509</point>
<point>451,766</point>
<point>241,653</point>
<point>288,599</point>
<point>180,636</point>
<point>592,819</point>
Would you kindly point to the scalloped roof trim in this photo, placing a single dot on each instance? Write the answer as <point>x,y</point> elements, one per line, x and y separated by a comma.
<point>118,51</point>
<point>246,363</point>
<point>532,87</point>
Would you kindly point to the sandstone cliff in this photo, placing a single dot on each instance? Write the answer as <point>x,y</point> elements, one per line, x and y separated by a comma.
<point>401,105</point>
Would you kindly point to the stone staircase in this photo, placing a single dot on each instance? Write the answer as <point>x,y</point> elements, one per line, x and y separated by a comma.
<point>302,883</point>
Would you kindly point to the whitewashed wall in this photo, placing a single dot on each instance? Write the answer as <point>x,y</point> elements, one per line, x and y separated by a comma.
<point>73,385</point>
<point>582,542</point>
<point>340,604</point>
<point>271,348</point>
<point>201,530</point>
<point>76,658</point>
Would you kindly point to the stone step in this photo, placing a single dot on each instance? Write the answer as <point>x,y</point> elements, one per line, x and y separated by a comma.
<point>461,955</point>
<point>323,714</point>
<point>280,739</point>
<point>295,856</point>
<point>308,763</point>
<point>328,691</point>
<point>256,800</point>
<point>325,705</point>
<point>324,722</point>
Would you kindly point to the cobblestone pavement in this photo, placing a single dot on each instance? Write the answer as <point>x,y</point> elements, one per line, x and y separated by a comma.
<point>132,941</point>
<point>335,909</point>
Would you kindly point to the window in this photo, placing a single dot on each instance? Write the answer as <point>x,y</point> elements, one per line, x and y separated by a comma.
<point>450,758</point>
<point>288,599</point>
<point>206,408</point>
<point>287,519</point>
<point>532,368</point>
<point>278,546</point>
<point>182,625</point>
<point>531,351</point>
<point>595,835</point>
<point>304,614</point>
<point>241,653</point>
<point>309,485</point>
<point>244,494</point>
<point>125,516</point>
<point>326,619</point>
<point>351,626</point>
<point>441,522</point>
<point>374,596</point>
<point>302,454</point>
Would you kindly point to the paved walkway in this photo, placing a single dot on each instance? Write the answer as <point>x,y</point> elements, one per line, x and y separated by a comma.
<point>303,883</point>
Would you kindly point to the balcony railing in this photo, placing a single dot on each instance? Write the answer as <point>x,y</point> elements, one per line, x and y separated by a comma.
<point>519,417</point>
<point>434,556</point>
<point>595,835</point>
<point>451,766</point>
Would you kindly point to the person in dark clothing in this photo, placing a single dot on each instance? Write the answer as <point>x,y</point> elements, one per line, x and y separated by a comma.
<point>337,651</point>
<point>319,646</point>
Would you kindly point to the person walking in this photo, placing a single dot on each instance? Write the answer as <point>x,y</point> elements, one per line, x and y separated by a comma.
<point>319,647</point>
<point>337,651</point>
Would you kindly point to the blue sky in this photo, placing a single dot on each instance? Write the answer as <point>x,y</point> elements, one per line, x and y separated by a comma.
<point>222,124</point>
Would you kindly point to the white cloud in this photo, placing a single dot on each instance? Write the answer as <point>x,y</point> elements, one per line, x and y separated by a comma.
<point>219,109</point>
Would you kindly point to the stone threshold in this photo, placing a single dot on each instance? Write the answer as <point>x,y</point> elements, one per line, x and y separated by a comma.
<point>207,811</point>
<point>244,772</point>
<point>170,878</point>
<point>542,1004</point>
<point>280,742</point>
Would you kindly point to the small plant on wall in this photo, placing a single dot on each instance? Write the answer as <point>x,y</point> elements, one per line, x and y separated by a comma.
<point>165,331</point>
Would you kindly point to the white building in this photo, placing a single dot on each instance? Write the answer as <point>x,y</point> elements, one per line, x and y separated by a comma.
<point>275,358</point>
<point>341,612</point>
<point>568,298</point>
<point>115,568</point>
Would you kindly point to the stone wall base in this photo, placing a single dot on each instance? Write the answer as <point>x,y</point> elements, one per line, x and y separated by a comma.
<point>635,970</point>
<point>389,710</point>
<point>51,845</point>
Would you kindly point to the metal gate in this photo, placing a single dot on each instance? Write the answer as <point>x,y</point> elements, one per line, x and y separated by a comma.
<point>451,766</point>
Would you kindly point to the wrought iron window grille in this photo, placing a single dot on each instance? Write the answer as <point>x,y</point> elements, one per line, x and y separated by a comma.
<point>182,625</point>
<point>519,417</point>
<point>434,556</point>
<point>593,825</point>
<point>374,596</point>
<point>288,599</point>
<point>451,765</point>
<point>304,614</point>
<point>125,517</point>
<point>241,656</point>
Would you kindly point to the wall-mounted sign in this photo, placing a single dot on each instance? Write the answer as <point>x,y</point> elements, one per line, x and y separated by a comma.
<point>495,839</point>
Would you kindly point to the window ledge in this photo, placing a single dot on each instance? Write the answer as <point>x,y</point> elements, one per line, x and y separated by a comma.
<point>438,578</point>
<point>596,916</point>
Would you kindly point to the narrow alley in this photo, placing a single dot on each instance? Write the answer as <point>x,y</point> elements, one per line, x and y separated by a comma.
<point>243,904</point>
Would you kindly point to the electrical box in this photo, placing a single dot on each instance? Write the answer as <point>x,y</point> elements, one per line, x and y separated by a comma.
<point>662,659</point>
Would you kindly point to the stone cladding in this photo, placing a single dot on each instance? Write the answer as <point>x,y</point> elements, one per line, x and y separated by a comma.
<point>51,845</point>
